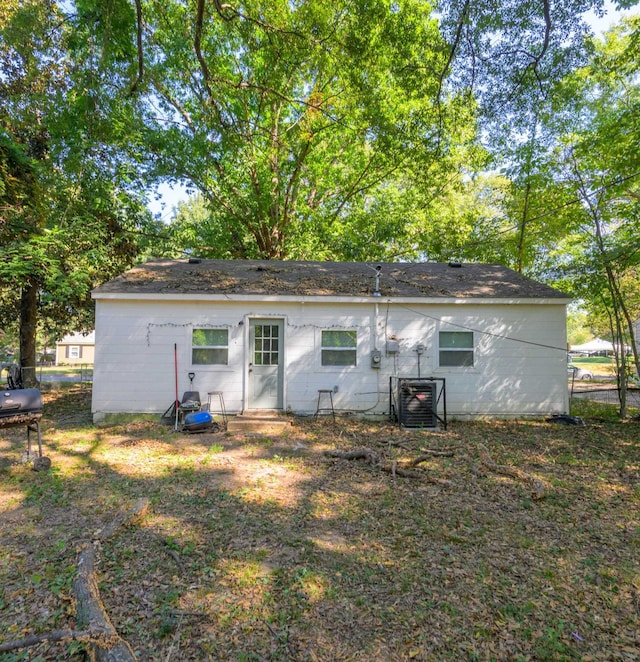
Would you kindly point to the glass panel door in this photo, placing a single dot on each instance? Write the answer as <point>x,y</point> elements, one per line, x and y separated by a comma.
<point>265,365</point>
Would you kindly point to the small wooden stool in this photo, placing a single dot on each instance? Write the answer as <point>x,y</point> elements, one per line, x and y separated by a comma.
<point>319,408</point>
<point>221,408</point>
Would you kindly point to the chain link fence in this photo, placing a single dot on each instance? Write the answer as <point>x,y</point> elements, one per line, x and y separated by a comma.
<point>608,395</point>
<point>13,376</point>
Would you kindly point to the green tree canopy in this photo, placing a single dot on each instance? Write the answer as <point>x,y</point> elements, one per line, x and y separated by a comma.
<point>596,167</point>
<point>304,126</point>
<point>67,207</point>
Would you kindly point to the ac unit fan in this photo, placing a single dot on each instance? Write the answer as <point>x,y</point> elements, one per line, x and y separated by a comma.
<point>417,403</point>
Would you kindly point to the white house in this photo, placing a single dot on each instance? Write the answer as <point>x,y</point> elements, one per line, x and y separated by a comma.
<point>270,334</point>
<point>76,348</point>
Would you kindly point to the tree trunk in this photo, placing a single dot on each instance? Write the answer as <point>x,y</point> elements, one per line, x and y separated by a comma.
<point>620,360</point>
<point>91,614</point>
<point>28,324</point>
<point>107,645</point>
<point>523,228</point>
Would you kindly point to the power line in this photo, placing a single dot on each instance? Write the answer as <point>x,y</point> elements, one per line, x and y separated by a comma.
<point>486,333</point>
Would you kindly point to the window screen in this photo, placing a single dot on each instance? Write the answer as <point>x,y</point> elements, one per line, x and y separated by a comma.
<point>210,347</point>
<point>456,349</point>
<point>339,348</point>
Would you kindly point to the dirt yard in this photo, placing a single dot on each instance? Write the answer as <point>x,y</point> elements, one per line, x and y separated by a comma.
<point>504,541</point>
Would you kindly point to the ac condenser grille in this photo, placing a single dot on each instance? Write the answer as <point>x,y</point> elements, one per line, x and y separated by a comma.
<point>417,404</point>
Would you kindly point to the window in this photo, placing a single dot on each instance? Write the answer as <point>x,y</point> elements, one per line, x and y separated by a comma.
<point>266,344</point>
<point>339,348</point>
<point>74,352</point>
<point>210,346</point>
<point>456,349</point>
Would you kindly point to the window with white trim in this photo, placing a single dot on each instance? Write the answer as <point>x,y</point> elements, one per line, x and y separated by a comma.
<point>74,351</point>
<point>210,347</point>
<point>339,348</point>
<point>455,349</point>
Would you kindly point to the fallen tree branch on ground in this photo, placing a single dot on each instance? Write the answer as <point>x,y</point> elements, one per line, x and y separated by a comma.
<point>419,475</point>
<point>172,553</point>
<point>360,454</point>
<point>539,491</point>
<point>129,517</point>
<point>395,469</point>
<point>96,631</point>
<point>91,613</point>
<point>423,458</point>
<point>35,639</point>
<point>438,452</point>
<point>105,645</point>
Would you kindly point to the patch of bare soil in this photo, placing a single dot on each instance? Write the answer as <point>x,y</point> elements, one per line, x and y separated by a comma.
<point>347,541</point>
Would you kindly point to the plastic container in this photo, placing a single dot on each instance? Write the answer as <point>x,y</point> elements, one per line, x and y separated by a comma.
<point>197,421</point>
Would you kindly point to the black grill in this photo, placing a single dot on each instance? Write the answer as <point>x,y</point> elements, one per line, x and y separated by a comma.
<point>23,406</point>
<point>20,406</point>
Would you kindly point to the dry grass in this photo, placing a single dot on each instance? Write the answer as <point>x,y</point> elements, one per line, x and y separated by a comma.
<point>264,549</point>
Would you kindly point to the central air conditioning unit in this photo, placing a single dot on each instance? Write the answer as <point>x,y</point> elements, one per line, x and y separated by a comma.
<point>417,403</point>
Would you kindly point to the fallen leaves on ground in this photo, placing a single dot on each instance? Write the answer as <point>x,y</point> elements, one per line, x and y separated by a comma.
<point>265,548</point>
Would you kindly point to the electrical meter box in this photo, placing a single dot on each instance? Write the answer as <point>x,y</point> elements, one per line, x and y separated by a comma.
<point>376,358</point>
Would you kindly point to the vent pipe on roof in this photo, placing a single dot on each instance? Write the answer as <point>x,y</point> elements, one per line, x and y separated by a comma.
<point>195,260</point>
<point>376,291</point>
<point>455,265</point>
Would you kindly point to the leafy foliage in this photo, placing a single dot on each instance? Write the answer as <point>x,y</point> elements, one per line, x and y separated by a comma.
<point>302,126</point>
<point>597,165</point>
<point>356,130</point>
<point>67,200</point>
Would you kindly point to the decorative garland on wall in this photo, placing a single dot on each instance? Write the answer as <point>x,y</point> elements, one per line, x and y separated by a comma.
<point>186,324</point>
<point>337,327</point>
<point>342,327</point>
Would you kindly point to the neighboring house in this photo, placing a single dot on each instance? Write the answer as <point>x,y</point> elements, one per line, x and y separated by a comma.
<point>76,348</point>
<point>271,334</point>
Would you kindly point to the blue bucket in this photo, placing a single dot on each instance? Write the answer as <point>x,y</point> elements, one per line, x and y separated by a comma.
<point>198,420</point>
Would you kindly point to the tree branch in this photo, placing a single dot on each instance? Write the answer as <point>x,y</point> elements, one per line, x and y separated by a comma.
<point>454,47</point>
<point>197,44</point>
<point>138,80</point>
<point>55,636</point>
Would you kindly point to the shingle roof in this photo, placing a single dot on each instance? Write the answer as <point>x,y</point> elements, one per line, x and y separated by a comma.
<point>79,339</point>
<point>268,277</point>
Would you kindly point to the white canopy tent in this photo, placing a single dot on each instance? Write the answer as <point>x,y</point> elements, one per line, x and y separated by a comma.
<point>596,345</point>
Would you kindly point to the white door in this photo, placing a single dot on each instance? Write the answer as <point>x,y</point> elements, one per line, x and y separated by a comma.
<point>265,364</point>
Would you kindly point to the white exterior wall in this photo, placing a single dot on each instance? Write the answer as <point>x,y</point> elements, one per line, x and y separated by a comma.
<point>519,358</point>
